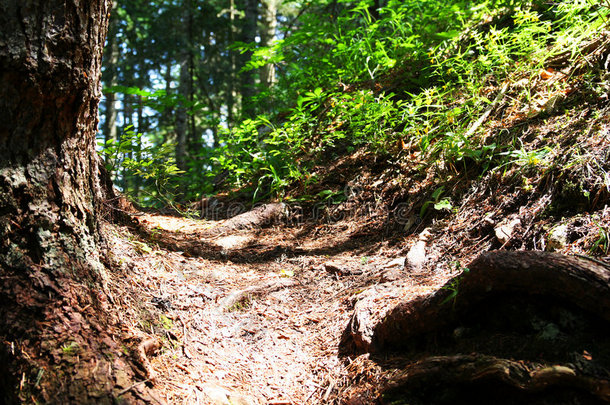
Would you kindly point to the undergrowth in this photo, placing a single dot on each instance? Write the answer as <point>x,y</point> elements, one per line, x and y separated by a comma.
<point>421,81</point>
<point>525,60</point>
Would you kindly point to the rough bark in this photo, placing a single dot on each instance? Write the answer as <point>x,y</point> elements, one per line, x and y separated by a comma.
<point>56,342</point>
<point>494,380</point>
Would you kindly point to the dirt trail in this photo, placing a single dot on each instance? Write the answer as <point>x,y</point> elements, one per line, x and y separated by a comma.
<point>250,316</point>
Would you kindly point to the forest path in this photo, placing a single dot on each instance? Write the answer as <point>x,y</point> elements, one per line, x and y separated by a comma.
<point>251,316</point>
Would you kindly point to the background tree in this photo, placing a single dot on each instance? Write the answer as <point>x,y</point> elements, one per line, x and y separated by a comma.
<point>268,36</point>
<point>110,77</point>
<point>185,86</point>
<point>180,74</point>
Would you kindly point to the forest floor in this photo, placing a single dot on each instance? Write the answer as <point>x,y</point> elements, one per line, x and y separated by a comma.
<point>220,315</point>
<point>257,316</point>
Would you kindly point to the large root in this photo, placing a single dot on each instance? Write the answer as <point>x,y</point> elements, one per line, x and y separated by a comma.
<point>531,321</point>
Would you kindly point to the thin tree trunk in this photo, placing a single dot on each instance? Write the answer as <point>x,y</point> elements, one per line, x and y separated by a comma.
<point>231,94</point>
<point>184,90</point>
<point>215,137</point>
<point>52,293</point>
<point>267,38</point>
<point>141,129</point>
<point>248,35</point>
<point>182,115</point>
<point>112,59</point>
<point>128,122</point>
<point>166,116</point>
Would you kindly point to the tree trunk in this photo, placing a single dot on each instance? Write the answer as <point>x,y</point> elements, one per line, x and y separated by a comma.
<point>248,35</point>
<point>52,301</point>
<point>141,129</point>
<point>126,178</point>
<point>182,115</point>
<point>267,39</point>
<point>231,96</point>
<point>184,90</point>
<point>112,60</point>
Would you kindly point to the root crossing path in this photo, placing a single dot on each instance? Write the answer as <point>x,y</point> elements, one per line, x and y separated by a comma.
<point>248,316</point>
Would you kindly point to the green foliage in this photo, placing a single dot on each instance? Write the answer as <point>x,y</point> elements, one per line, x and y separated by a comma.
<point>153,165</point>
<point>344,42</point>
<point>421,75</point>
<point>158,100</point>
<point>165,322</point>
<point>259,155</point>
<point>437,202</point>
<point>440,116</point>
<point>602,243</point>
<point>70,349</point>
<point>454,285</point>
<point>529,159</point>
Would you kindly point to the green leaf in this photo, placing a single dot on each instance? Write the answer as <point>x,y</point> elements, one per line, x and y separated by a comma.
<point>437,193</point>
<point>443,204</point>
<point>447,34</point>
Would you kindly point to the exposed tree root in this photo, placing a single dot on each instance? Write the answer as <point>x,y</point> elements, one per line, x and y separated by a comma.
<point>512,379</point>
<point>547,309</point>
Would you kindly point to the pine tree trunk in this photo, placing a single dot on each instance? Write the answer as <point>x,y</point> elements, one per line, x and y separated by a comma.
<point>248,35</point>
<point>112,60</point>
<point>141,129</point>
<point>267,39</point>
<point>126,179</point>
<point>182,115</point>
<point>165,120</point>
<point>51,278</point>
<point>184,90</point>
<point>231,96</point>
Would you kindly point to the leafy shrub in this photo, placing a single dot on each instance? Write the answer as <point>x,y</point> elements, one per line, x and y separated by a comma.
<point>147,167</point>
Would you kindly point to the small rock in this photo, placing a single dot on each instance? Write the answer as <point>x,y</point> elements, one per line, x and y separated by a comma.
<point>416,258</point>
<point>505,229</point>
<point>393,270</point>
<point>162,303</point>
<point>557,238</point>
<point>489,219</point>
<point>216,394</point>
